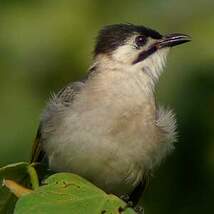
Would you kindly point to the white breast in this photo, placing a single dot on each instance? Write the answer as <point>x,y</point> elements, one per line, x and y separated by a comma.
<point>108,135</point>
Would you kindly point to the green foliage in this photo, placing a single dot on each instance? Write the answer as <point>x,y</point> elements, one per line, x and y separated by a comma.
<point>18,173</point>
<point>61,193</point>
<point>68,193</point>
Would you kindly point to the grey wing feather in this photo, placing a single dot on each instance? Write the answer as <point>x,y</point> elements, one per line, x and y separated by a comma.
<point>67,94</point>
<point>65,97</point>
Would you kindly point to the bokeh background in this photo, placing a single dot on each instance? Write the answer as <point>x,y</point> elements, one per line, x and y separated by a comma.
<point>45,44</point>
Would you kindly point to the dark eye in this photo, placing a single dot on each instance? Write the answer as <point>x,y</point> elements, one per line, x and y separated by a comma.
<point>140,40</point>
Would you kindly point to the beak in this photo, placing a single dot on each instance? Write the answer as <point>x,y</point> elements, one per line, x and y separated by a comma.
<point>171,40</point>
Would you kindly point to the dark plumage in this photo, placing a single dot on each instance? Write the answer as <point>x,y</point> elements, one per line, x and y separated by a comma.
<point>112,36</point>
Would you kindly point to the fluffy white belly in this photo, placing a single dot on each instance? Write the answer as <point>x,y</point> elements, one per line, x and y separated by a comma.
<point>112,171</point>
<point>112,154</point>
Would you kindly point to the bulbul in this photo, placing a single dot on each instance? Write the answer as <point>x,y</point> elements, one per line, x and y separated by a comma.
<point>107,127</point>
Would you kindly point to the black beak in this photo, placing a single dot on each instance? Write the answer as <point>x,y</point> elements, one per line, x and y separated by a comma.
<point>171,40</point>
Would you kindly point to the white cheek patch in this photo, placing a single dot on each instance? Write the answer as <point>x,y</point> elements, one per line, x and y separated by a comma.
<point>125,54</point>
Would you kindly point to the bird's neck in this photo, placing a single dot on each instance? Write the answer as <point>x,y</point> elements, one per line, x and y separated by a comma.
<point>130,79</point>
<point>126,84</point>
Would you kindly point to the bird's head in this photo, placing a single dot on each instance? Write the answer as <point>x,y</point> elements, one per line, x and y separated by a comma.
<point>136,46</point>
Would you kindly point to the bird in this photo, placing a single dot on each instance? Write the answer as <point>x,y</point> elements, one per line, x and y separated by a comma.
<point>108,127</point>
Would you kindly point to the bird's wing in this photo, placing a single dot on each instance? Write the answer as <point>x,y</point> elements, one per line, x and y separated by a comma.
<point>64,96</point>
<point>37,153</point>
<point>140,188</point>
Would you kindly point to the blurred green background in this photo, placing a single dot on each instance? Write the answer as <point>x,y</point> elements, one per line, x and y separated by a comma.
<point>45,44</point>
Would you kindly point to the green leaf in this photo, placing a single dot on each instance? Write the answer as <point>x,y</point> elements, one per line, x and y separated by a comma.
<point>18,173</point>
<point>68,193</point>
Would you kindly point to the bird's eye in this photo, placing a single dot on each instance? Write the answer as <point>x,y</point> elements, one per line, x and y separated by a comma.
<point>140,40</point>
